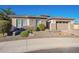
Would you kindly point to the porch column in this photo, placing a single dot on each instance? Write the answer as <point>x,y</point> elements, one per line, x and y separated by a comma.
<point>52,25</point>
<point>69,26</point>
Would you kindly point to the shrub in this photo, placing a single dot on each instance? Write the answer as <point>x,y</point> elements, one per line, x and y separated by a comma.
<point>30,29</point>
<point>41,27</point>
<point>37,29</point>
<point>24,34</point>
<point>4,26</point>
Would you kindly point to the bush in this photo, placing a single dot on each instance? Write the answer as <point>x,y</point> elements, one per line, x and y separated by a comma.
<point>4,26</point>
<point>41,27</point>
<point>24,34</point>
<point>37,29</point>
<point>30,29</point>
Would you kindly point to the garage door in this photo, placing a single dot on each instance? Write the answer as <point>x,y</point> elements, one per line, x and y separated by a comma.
<point>62,25</point>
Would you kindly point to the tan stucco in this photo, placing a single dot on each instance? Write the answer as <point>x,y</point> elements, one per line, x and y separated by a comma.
<point>54,25</point>
<point>76,26</point>
<point>31,22</point>
<point>14,22</point>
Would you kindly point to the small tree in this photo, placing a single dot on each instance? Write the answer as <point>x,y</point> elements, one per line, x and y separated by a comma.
<point>4,26</point>
<point>24,34</point>
<point>4,15</point>
<point>41,27</point>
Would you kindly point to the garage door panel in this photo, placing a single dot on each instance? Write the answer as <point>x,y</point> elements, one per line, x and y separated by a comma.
<point>62,26</point>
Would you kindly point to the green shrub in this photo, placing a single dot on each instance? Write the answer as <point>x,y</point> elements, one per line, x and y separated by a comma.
<point>37,29</point>
<point>30,29</point>
<point>41,27</point>
<point>4,26</point>
<point>24,34</point>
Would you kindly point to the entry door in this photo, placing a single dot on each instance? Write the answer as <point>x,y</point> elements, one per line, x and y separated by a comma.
<point>38,21</point>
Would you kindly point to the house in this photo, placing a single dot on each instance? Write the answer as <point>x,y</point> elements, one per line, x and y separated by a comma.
<point>55,23</point>
<point>27,21</point>
<point>60,23</point>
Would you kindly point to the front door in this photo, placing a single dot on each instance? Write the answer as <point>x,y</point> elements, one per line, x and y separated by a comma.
<point>38,21</point>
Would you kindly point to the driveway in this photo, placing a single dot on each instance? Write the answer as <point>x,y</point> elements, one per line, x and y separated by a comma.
<point>49,44</point>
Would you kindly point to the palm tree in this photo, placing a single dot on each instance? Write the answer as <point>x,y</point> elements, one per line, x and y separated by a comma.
<point>6,12</point>
<point>1,16</point>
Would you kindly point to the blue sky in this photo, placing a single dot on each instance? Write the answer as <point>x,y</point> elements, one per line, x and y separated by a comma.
<point>51,10</point>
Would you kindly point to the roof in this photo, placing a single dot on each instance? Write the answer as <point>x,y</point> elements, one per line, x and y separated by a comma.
<point>61,18</point>
<point>15,16</point>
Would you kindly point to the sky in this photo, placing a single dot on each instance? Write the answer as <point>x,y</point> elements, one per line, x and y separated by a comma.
<point>51,10</point>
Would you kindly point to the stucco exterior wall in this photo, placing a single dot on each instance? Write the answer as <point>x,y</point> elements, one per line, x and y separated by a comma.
<point>52,26</point>
<point>33,22</point>
<point>14,22</point>
<point>76,26</point>
<point>43,21</point>
<point>60,26</point>
<point>30,22</point>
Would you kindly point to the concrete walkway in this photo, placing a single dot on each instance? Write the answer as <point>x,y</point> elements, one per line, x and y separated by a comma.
<point>37,44</point>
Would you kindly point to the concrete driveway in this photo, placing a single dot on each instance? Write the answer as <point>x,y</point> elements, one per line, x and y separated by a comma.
<point>39,44</point>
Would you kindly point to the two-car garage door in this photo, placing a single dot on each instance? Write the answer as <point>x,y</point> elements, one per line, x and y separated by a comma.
<point>62,25</point>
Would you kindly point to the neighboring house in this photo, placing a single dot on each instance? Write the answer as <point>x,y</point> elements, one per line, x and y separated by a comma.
<point>59,23</point>
<point>27,21</point>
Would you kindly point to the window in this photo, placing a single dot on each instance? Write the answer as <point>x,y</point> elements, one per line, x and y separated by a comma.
<point>24,22</point>
<point>18,23</point>
<point>38,21</point>
<point>59,22</point>
<point>65,22</point>
<point>21,22</point>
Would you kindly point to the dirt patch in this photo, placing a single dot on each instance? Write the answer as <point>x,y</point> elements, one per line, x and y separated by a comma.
<point>40,34</point>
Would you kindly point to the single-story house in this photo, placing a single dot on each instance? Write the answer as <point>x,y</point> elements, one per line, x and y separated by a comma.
<point>27,21</point>
<point>55,23</point>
